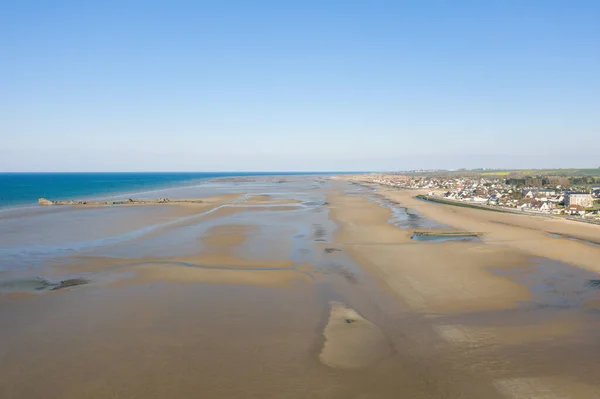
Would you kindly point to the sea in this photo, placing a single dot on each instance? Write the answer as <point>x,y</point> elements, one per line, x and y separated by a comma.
<point>23,189</point>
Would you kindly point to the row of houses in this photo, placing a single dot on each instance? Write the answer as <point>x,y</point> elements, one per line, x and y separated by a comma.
<point>568,203</point>
<point>495,192</point>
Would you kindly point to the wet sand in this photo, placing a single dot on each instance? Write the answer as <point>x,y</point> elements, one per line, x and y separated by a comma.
<point>529,234</point>
<point>519,302</point>
<point>306,287</point>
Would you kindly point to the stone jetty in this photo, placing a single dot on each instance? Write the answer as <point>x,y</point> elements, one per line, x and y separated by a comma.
<point>129,201</point>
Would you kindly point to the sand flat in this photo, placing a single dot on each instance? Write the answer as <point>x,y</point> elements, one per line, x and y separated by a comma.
<point>429,277</point>
<point>351,341</point>
<point>325,299</point>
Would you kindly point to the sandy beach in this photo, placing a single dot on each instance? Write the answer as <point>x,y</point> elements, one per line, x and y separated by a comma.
<point>297,287</point>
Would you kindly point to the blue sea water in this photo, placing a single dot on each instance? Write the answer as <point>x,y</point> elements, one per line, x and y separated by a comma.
<point>20,189</point>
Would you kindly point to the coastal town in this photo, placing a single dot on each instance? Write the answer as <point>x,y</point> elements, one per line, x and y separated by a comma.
<point>536,195</point>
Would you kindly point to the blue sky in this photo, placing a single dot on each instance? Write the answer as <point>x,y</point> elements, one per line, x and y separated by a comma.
<point>298,85</point>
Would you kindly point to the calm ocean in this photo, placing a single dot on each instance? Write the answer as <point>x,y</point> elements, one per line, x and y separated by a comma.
<point>19,189</point>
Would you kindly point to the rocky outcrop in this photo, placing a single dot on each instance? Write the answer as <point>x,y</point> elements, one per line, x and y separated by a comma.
<point>44,201</point>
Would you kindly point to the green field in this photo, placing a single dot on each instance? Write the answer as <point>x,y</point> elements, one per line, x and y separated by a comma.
<point>567,172</point>
<point>497,173</point>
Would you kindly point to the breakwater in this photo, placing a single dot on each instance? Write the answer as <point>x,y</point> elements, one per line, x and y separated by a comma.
<point>129,201</point>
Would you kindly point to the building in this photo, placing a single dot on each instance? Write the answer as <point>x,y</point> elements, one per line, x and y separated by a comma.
<point>575,210</point>
<point>546,192</point>
<point>584,200</point>
<point>528,193</point>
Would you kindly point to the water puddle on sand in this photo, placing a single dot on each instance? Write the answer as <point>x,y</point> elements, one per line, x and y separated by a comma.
<point>133,241</point>
<point>563,298</point>
<point>36,284</point>
<point>406,218</point>
<point>554,284</point>
<point>550,337</point>
<point>287,234</point>
<point>445,238</point>
<point>402,217</point>
<point>555,235</point>
<point>314,203</point>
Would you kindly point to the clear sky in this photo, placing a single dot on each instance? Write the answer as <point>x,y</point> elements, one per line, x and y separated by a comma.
<point>298,85</point>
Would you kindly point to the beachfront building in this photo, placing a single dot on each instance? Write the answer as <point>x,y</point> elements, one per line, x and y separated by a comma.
<point>584,200</point>
<point>546,193</point>
<point>575,210</point>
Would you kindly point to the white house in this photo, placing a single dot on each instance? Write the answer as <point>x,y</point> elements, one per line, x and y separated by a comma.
<point>546,192</point>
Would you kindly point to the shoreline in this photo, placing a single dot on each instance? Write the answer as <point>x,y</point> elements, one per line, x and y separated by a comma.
<point>117,194</point>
